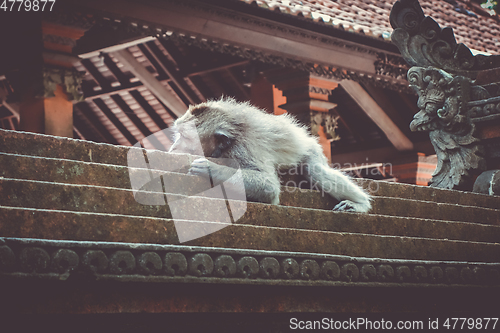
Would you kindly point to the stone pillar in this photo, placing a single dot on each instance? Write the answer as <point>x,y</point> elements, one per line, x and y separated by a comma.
<point>307,98</point>
<point>45,83</point>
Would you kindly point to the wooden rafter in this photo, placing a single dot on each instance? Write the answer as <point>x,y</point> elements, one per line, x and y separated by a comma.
<point>119,75</point>
<point>179,60</point>
<point>237,84</point>
<point>167,97</point>
<point>116,122</point>
<point>245,34</point>
<point>398,139</point>
<point>192,77</point>
<point>156,53</point>
<point>137,122</point>
<point>148,109</point>
<point>79,133</point>
<point>382,99</point>
<point>96,75</point>
<point>84,110</point>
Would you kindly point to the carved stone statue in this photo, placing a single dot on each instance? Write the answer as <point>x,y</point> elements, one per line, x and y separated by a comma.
<point>453,93</point>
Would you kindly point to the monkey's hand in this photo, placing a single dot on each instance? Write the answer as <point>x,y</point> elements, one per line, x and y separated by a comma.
<point>200,167</point>
<point>350,206</point>
<point>205,168</point>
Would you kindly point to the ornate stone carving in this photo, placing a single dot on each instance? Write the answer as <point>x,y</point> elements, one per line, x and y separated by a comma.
<point>59,40</point>
<point>70,79</point>
<point>68,16</point>
<point>444,111</point>
<point>488,183</point>
<point>392,66</point>
<point>422,42</point>
<point>328,120</point>
<point>456,91</point>
<point>57,260</point>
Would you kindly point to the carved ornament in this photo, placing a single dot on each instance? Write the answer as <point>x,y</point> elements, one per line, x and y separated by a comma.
<point>444,112</point>
<point>328,120</point>
<point>58,260</point>
<point>422,42</point>
<point>70,79</point>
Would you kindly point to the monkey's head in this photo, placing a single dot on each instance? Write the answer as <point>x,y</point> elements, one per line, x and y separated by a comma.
<point>209,129</point>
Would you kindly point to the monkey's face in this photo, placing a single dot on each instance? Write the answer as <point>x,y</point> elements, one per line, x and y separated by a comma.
<point>198,136</point>
<point>186,139</point>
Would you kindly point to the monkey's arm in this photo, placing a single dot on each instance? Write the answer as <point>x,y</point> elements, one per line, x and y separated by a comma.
<point>259,186</point>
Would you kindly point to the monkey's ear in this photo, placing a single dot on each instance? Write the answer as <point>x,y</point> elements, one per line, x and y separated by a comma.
<point>198,110</point>
<point>223,139</point>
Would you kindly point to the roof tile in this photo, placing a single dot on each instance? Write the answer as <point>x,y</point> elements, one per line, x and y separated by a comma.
<point>371,17</point>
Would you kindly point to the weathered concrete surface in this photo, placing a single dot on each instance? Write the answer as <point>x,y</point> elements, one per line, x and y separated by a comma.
<point>72,172</point>
<point>63,171</point>
<point>393,206</point>
<point>32,144</point>
<point>412,222</point>
<point>98,227</point>
<point>89,173</point>
<point>427,193</point>
<point>79,198</point>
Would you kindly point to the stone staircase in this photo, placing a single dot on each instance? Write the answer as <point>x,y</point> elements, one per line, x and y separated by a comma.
<point>59,194</point>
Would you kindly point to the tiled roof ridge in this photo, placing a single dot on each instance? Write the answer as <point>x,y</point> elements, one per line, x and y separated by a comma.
<point>475,7</point>
<point>473,25</point>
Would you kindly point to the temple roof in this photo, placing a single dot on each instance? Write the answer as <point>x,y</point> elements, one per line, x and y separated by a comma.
<point>473,25</point>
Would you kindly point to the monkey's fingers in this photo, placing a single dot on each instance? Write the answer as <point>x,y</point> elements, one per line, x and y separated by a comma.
<point>345,206</point>
<point>200,167</point>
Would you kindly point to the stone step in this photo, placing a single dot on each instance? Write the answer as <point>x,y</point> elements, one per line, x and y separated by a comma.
<point>54,224</point>
<point>35,144</point>
<point>428,193</point>
<point>31,144</point>
<point>295,197</point>
<point>105,200</point>
<point>110,176</point>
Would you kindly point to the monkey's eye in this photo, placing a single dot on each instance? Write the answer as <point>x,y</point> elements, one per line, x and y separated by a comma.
<point>222,138</point>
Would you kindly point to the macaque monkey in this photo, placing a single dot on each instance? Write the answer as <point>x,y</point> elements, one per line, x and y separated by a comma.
<point>261,144</point>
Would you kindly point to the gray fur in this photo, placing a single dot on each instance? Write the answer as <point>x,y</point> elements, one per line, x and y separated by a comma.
<point>261,144</point>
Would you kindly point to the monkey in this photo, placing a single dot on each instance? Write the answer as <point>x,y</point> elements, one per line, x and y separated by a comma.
<point>261,143</point>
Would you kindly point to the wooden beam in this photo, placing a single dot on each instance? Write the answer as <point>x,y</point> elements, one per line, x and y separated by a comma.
<point>87,129</point>
<point>80,135</point>
<point>150,50</point>
<point>135,85</point>
<point>309,47</point>
<point>398,139</point>
<point>149,109</point>
<point>11,109</point>
<point>384,101</point>
<point>86,111</point>
<point>116,122</point>
<point>237,83</point>
<point>117,72</point>
<point>375,155</point>
<point>116,47</point>
<point>137,122</point>
<point>96,75</point>
<point>167,97</point>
